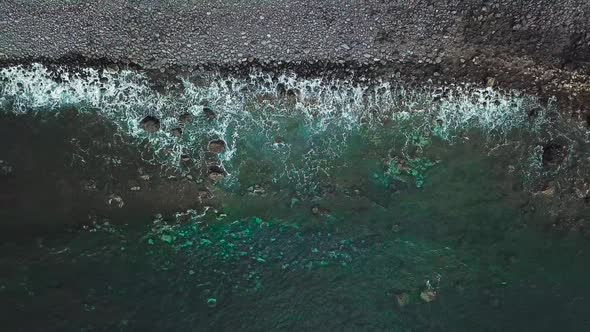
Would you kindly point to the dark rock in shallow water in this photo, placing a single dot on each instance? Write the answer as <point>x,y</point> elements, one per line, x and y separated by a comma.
<point>209,113</point>
<point>534,112</point>
<point>176,132</point>
<point>281,90</point>
<point>150,124</point>
<point>216,146</point>
<point>185,118</point>
<point>216,172</point>
<point>553,153</point>
<point>402,298</point>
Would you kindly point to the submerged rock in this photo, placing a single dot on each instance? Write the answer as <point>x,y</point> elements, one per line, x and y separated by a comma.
<point>257,190</point>
<point>176,132</point>
<point>150,124</point>
<point>186,118</point>
<point>553,153</point>
<point>216,146</point>
<point>402,298</point>
<point>5,169</point>
<point>167,238</point>
<point>88,185</point>
<point>429,295</point>
<point>548,191</point>
<point>116,200</point>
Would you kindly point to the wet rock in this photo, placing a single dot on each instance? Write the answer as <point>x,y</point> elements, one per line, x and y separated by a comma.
<point>216,173</point>
<point>112,69</point>
<point>281,90</point>
<point>534,112</point>
<point>176,132</point>
<point>292,94</point>
<point>216,146</point>
<point>186,118</point>
<point>116,200</point>
<point>553,153</point>
<point>265,98</point>
<point>150,124</point>
<point>209,114</point>
<point>548,191</point>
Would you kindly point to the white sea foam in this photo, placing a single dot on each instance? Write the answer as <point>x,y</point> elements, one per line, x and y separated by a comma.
<point>331,110</point>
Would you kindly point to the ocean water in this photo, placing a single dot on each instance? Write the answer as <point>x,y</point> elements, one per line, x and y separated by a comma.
<point>344,205</point>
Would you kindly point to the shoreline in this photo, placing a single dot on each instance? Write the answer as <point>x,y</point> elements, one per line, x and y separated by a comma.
<point>569,88</point>
<point>540,47</point>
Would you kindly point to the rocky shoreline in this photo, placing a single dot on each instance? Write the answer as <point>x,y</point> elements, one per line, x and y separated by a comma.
<point>542,47</point>
<point>569,88</point>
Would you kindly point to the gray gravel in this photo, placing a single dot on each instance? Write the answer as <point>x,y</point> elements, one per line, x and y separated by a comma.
<point>539,46</point>
<point>160,33</point>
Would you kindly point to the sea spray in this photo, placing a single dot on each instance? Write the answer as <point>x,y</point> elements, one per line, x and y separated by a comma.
<point>297,130</point>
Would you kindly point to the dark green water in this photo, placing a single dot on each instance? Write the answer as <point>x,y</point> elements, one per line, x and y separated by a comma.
<point>321,226</point>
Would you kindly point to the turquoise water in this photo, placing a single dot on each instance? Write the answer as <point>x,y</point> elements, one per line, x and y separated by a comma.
<point>344,206</point>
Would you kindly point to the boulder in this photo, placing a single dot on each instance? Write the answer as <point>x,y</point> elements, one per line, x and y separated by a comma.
<point>150,124</point>
<point>216,146</point>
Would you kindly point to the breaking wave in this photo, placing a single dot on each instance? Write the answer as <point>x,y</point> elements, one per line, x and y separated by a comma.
<point>295,129</point>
